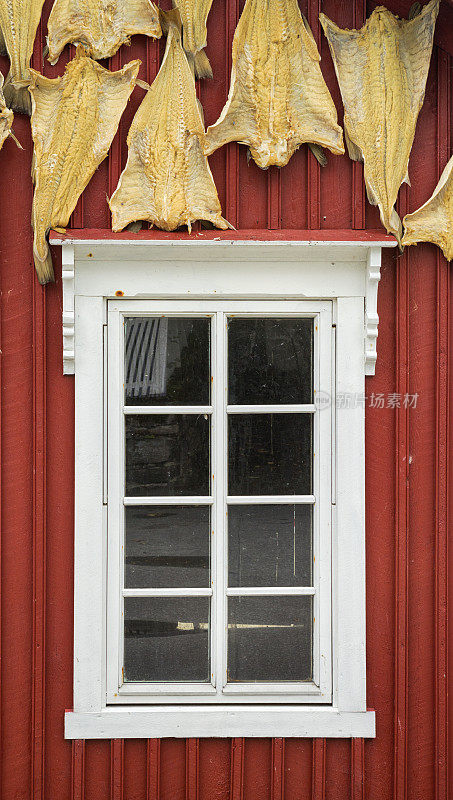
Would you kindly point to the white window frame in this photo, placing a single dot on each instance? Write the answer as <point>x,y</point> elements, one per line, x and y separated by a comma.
<point>345,273</point>
<point>320,689</point>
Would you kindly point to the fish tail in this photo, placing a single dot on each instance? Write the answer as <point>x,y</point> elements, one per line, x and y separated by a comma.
<point>17,98</point>
<point>44,268</point>
<point>203,68</point>
<point>169,19</point>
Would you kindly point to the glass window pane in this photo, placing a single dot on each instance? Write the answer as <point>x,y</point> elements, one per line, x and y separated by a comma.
<point>167,455</point>
<point>270,545</point>
<point>270,639</point>
<point>166,639</point>
<point>270,360</point>
<point>167,546</point>
<point>269,454</point>
<point>167,361</point>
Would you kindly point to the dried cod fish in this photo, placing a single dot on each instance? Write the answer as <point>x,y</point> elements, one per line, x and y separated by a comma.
<point>382,71</point>
<point>19,20</point>
<point>278,98</point>
<point>194,14</point>
<point>74,119</point>
<point>433,221</point>
<point>167,179</point>
<point>102,27</point>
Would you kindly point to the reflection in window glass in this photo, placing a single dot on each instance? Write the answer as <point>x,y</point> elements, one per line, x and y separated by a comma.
<point>167,455</point>
<point>269,454</point>
<point>270,638</point>
<point>167,361</point>
<point>166,639</point>
<point>167,546</point>
<point>270,360</point>
<point>270,545</point>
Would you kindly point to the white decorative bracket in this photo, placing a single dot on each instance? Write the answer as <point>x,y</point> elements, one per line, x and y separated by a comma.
<point>329,253</point>
<point>68,276</point>
<point>373,276</point>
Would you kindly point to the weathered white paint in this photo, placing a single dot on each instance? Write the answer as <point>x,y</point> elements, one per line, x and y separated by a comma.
<point>187,721</point>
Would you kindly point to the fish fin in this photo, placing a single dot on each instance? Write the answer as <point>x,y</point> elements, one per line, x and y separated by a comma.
<point>44,268</point>
<point>201,110</point>
<point>354,152</point>
<point>318,153</point>
<point>397,228</point>
<point>168,19</point>
<point>414,10</point>
<point>143,85</point>
<point>15,139</point>
<point>135,227</point>
<point>203,68</point>
<point>17,98</point>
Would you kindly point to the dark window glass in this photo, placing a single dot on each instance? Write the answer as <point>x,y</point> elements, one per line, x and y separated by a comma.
<point>167,546</point>
<point>270,361</point>
<point>167,454</point>
<point>166,639</point>
<point>167,361</point>
<point>270,639</point>
<point>270,545</point>
<point>269,454</point>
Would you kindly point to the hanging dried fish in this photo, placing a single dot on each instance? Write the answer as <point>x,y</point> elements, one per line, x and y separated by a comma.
<point>101,27</point>
<point>382,71</point>
<point>194,14</point>
<point>433,221</point>
<point>278,98</point>
<point>19,20</point>
<point>167,179</point>
<point>74,119</point>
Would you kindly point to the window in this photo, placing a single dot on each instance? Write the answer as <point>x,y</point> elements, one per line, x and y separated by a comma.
<point>219,582</point>
<point>219,512</point>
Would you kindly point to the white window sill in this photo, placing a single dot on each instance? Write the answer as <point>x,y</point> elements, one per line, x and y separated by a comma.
<point>193,721</point>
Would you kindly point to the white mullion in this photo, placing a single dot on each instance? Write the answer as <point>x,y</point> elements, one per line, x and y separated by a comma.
<point>168,592</point>
<point>322,641</point>
<point>289,408</point>
<point>168,410</point>
<point>271,499</point>
<point>317,455</point>
<point>213,468</point>
<point>116,459</point>
<point>172,500</point>
<point>220,495</point>
<point>270,591</point>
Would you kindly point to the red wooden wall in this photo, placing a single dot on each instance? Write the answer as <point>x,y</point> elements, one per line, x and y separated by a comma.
<point>408,488</point>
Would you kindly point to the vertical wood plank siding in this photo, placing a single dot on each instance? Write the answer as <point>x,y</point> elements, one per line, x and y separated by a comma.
<point>408,481</point>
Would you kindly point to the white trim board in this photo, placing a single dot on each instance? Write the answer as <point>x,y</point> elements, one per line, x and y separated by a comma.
<point>208,722</point>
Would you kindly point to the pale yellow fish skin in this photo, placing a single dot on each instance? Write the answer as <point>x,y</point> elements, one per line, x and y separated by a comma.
<point>433,221</point>
<point>382,71</point>
<point>278,98</point>
<point>194,14</point>
<point>167,180</point>
<point>19,20</point>
<point>6,116</point>
<point>73,122</point>
<point>102,26</point>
